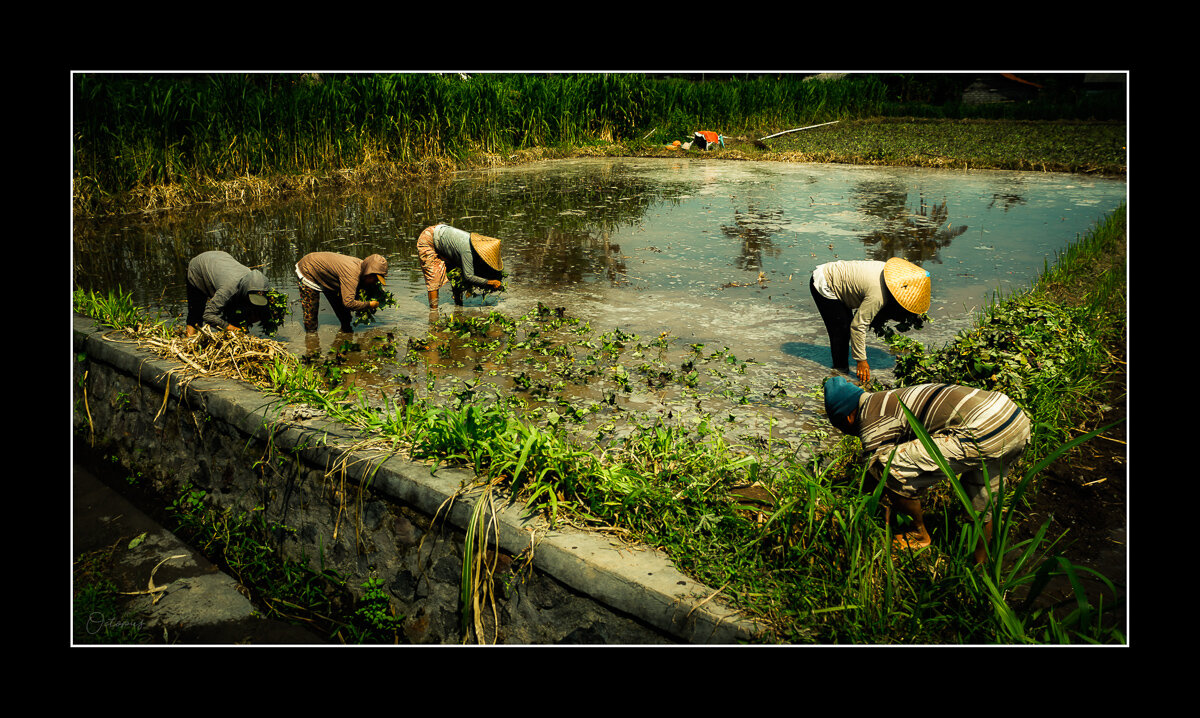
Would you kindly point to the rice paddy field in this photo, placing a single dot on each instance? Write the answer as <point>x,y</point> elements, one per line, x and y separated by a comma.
<point>674,438</point>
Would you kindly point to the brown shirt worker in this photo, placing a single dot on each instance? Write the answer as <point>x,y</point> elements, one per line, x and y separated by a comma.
<point>338,277</point>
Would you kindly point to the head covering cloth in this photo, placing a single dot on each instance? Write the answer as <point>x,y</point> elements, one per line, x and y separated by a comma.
<point>841,399</point>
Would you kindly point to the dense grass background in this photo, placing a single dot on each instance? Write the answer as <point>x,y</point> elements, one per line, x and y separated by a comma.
<point>141,140</point>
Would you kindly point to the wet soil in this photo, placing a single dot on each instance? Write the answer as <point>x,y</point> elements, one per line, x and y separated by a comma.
<point>1083,496</point>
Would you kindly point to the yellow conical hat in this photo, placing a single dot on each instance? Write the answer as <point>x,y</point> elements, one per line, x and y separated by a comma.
<point>909,284</point>
<point>489,249</point>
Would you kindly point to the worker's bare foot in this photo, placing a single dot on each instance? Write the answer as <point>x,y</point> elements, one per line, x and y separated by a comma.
<point>911,540</point>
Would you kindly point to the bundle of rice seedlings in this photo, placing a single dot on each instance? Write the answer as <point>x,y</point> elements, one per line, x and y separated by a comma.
<point>368,293</point>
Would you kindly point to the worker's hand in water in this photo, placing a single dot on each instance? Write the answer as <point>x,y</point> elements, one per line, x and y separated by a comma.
<point>494,283</point>
<point>864,372</point>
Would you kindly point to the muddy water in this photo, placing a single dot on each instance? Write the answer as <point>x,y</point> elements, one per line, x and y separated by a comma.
<point>716,254</point>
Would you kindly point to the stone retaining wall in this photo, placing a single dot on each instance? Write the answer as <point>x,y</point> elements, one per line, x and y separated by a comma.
<point>367,514</point>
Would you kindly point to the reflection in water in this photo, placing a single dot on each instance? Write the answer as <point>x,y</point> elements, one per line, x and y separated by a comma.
<point>918,236</point>
<point>563,257</point>
<point>709,251</point>
<point>754,229</point>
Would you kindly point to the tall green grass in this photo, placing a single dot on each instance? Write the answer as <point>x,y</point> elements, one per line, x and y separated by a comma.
<point>1012,566</point>
<point>182,135</point>
<point>138,131</point>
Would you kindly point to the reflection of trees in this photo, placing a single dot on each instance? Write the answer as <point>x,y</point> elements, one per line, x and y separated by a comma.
<point>917,236</point>
<point>567,257</point>
<point>149,255</point>
<point>555,225</point>
<point>1007,200</point>
<point>754,229</point>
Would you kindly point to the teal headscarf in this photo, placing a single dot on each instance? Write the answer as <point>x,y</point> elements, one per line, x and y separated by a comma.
<point>841,398</point>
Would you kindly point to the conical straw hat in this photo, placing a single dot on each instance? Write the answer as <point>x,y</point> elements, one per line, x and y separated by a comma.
<point>908,283</point>
<point>489,249</point>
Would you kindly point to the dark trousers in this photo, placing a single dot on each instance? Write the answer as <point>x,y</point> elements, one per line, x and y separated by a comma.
<point>310,304</point>
<point>196,300</point>
<point>836,316</point>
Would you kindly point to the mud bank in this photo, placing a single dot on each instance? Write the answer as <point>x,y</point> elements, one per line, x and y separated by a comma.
<point>367,514</point>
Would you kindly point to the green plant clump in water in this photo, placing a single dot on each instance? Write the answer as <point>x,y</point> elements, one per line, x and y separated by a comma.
<point>270,317</point>
<point>372,292</point>
<point>462,290</point>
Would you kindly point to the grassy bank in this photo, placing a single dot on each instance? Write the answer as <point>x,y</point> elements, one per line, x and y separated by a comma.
<point>797,542</point>
<point>145,142</point>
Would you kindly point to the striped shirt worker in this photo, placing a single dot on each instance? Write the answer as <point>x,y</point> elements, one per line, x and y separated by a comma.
<point>980,433</point>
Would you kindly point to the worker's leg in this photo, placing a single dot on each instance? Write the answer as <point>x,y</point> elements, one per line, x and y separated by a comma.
<point>340,311</point>
<point>914,469</point>
<point>433,268</point>
<point>919,536</point>
<point>837,317</point>
<point>310,303</point>
<point>196,300</point>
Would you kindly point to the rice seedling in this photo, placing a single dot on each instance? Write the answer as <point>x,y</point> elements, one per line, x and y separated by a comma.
<point>269,318</point>
<point>462,291</point>
<point>372,292</point>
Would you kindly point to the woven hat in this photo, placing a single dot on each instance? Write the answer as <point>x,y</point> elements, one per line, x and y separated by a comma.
<point>908,283</point>
<point>488,248</point>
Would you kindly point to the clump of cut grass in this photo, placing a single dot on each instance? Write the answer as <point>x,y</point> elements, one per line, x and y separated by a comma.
<point>230,354</point>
